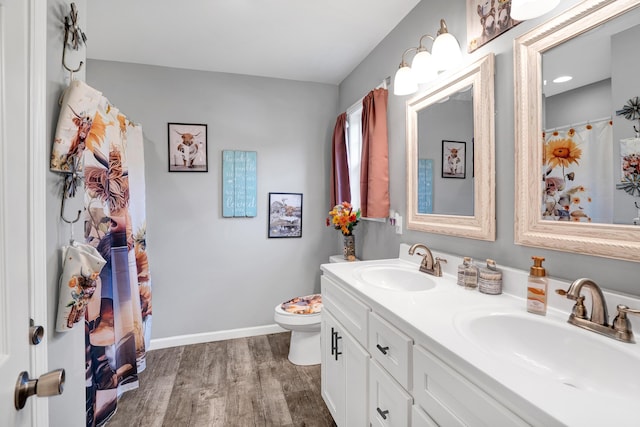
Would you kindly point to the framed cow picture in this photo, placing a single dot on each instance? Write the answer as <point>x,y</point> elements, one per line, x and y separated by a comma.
<point>187,147</point>
<point>454,159</point>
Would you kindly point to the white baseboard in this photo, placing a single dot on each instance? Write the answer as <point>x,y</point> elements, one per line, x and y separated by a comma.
<point>179,340</point>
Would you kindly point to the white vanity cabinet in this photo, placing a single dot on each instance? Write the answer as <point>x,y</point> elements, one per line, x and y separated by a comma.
<point>345,360</point>
<point>375,374</point>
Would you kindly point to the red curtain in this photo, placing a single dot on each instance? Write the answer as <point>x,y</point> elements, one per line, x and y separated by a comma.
<point>374,173</point>
<point>340,191</point>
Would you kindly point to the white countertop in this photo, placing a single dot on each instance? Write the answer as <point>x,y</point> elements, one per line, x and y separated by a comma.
<point>433,319</point>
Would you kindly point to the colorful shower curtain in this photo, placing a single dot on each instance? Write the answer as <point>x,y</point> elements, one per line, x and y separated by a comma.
<point>578,173</point>
<point>95,138</point>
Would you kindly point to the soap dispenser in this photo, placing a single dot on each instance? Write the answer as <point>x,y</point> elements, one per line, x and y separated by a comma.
<point>537,288</point>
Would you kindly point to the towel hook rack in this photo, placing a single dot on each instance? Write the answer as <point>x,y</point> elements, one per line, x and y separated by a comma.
<point>74,37</point>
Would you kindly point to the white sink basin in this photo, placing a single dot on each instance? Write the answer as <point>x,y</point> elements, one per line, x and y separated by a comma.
<point>559,351</point>
<point>395,278</point>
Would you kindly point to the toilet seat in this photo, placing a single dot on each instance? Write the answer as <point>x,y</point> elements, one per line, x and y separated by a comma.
<point>294,319</point>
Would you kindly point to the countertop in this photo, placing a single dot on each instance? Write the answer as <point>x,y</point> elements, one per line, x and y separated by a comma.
<point>436,318</point>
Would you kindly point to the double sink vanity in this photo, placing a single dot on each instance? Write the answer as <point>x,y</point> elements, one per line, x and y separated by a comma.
<point>401,347</point>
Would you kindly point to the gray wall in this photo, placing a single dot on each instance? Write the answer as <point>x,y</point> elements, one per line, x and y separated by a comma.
<point>211,273</point>
<point>594,101</point>
<point>380,241</point>
<point>66,350</point>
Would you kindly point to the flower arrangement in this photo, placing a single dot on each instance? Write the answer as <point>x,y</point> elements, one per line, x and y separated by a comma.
<point>343,218</point>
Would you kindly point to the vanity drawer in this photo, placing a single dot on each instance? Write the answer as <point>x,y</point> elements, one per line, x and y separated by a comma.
<point>389,404</point>
<point>346,308</point>
<point>391,348</point>
<point>452,400</point>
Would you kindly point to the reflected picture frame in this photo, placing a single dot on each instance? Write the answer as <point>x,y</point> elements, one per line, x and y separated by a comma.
<point>454,159</point>
<point>187,147</point>
<point>285,215</point>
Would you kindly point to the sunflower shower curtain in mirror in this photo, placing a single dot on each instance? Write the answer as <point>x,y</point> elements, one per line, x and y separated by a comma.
<point>577,173</point>
<point>95,138</point>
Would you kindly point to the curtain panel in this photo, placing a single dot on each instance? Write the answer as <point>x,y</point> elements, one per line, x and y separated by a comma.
<point>374,175</point>
<point>340,186</point>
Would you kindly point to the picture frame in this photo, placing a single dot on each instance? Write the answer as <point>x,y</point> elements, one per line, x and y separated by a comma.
<point>285,215</point>
<point>454,159</point>
<point>187,150</point>
<point>486,20</point>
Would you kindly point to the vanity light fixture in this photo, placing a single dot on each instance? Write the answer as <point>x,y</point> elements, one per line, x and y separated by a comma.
<point>522,10</point>
<point>446,49</point>
<point>445,55</point>
<point>404,82</point>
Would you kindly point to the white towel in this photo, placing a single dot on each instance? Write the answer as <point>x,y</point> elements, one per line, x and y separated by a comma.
<point>81,266</point>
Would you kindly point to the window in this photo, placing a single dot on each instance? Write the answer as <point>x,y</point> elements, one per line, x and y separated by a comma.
<point>354,151</point>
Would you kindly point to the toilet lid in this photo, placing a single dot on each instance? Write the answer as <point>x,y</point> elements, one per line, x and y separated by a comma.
<point>310,304</point>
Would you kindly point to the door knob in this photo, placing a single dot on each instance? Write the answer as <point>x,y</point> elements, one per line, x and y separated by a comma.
<point>49,384</point>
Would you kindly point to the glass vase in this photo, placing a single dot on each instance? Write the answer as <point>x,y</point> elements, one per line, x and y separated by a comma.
<point>349,247</point>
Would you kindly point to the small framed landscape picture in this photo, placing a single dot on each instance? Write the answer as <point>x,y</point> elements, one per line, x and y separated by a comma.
<point>285,215</point>
<point>454,159</point>
<point>187,147</point>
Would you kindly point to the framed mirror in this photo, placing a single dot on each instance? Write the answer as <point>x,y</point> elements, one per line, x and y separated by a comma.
<point>450,155</point>
<point>574,75</point>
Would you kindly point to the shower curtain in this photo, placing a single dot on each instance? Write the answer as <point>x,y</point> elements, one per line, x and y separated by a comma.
<point>94,138</point>
<point>578,173</point>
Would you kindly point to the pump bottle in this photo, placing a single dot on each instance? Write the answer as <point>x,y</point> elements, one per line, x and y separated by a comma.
<point>537,288</point>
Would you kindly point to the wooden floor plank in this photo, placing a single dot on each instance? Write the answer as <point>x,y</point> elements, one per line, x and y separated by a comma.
<point>245,382</point>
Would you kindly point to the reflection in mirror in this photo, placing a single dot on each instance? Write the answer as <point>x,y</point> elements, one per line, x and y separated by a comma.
<point>588,152</point>
<point>450,155</point>
<point>583,160</point>
<point>445,149</point>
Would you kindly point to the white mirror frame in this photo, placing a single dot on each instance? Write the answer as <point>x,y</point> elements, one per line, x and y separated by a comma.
<point>482,225</point>
<point>605,240</point>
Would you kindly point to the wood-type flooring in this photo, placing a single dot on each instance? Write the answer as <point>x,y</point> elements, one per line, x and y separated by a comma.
<point>243,382</point>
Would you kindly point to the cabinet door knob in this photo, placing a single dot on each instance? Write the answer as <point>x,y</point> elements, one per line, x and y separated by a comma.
<point>382,413</point>
<point>382,349</point>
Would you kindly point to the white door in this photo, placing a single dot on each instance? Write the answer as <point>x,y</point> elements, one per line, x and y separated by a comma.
<point>22,203</point>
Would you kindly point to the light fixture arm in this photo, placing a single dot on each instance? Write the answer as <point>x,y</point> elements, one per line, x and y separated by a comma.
<point>443,28</point>
<point>404,63</point>
<point>421,47</point>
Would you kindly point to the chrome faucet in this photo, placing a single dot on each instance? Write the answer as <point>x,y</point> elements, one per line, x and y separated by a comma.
<point>428,264</point>
<point>598,322</point>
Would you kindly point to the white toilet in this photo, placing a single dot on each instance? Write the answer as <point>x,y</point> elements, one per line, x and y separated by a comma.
<point>301,315</point>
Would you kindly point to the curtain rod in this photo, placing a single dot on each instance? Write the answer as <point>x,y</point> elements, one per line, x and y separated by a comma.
<point>579,123</point>
<point>383,85</point>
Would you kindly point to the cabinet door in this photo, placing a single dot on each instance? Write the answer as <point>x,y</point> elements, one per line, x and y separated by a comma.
<point>332,369</point>
<point>344,374</point>
<point>389,404</point>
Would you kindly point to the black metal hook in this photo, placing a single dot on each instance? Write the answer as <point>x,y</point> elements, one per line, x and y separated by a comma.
<point>64,197</point>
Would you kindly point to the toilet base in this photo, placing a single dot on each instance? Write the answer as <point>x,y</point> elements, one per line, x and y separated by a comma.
<point>304,348</point>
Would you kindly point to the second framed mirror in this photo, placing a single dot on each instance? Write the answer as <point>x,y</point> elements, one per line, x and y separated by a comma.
<point>450,155</point>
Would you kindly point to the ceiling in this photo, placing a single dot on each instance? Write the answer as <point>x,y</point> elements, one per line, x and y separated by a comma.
<point>315,41</point>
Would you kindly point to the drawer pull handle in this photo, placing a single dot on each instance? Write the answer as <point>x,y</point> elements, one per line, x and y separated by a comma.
<point>382,349</point>
<point>338,353</point>
<point>333,341</point>
<point>382,413</point>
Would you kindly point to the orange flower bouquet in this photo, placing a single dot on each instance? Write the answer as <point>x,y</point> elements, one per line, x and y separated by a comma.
<point>343,218</point>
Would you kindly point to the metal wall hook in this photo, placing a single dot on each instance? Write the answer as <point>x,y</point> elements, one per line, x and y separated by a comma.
<point>64,197</point>
<point>74,37</point>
